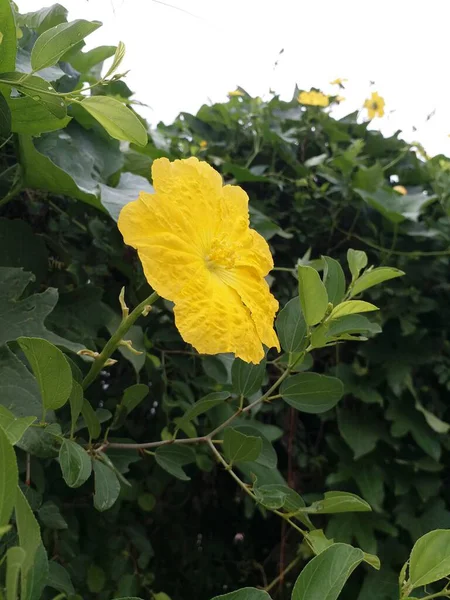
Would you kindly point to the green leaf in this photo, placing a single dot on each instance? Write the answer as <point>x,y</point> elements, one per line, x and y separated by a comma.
<point>361,429</point>
<point>268,456</point>
<point>372,560</point>
<point>373,277</point>
<point>30,541</point>
<point>313,295</point>
<point>291,326</point>
<point>39,90</point>
<point>334,280</point>
<point>338,502</point>
<point>32,118</point>
<point>15,558</point>
<point>8,45</point>
<point>351,307</point>
<point>85,61</point>
<point>42,441</point>
<point>91,420</point>
<point>311,392</point>
<point>118,58</point>
<point>204,404</point>
<point>43,19</point>
<point>325,575</point>
<point>247,378</point>
<point>8,478</point>
<point>134,395</point>
<point>59,578</point>
<point>51,369</point>
<point>430,558</point>
<point>244,594</point>
<point>107,486</point>
<point>21,247</point>
<point>172,457</point>
<point>15,310</point>
<point>53,43</point>
<point>96,579</point>
<point>19,392</point>
<point>127,190</point>
<point>51,517</point>
<point>351,324</point>
<point>75,463</point>
<point>394,207</point>
<point>318,540</point>
<point>76,404</point>
<point>357,260</point>
<point>14,427</point>
<point>118,120</point>
<point>239,447</point>
<point>5,116</point>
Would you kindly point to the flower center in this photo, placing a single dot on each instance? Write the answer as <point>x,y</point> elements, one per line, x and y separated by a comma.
<point>221,256</point>
<point>375,105</point>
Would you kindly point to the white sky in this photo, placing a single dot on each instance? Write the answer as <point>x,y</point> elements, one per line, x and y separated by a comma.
<point>181,58</point>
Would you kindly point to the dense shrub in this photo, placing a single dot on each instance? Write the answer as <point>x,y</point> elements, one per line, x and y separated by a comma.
<point>318,187</point>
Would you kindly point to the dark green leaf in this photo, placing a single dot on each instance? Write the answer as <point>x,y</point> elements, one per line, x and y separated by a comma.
<point>14,427</point>
<point>76,404</point>
<point>43,19</point>
<point>56,41</point>
<point>91,420</point>
<point>51,369</point>
<point>268,456</point>
<point>394,207</point>
<point>51,517</point>
<point>172,457</point>
<point>8,45</point>
<point>239,447</point>
<point>311,392</point>
<point>20,247</point>
<point>334,280</point>
<point>246,377</point>
<point>107,486</point>
<point>5,117</point>
<point>75,463</point>
<point>32,118</point>
<point>59,578</point>
<point>127,190</point>
<point>8,478</point>
<point>204,404</point>
<point>325,575</point>
<point>291,326</point>
<point>39,90</point>
<point>244,594</point>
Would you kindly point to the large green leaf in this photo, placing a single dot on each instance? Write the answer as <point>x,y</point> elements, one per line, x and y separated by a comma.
<point>19,392</point>
<point>75,463</point>
<point>394,207</point>
<point>39,90</point>
<point>313,295</point>
<point>247,378</point>
<point>30,117</point>
<point>127,190</point>
<point>51,369</point>
<point>119,121</point>
<point>173,457</point>
<point>85,61</point>
<point>15,312</point>
<point>107,486</point>
<point>311,392</point>
<point>8,478</point>
<point>325,575</point>
<point>338,502</point>
<point>239,447</point>
<point>267,456</point>
<point>205,404</point>
<point>56,41</point>
<point>291,326</point>
<point>244,594</point>
<point>430,558</point>
<point>8,45</point>
<point>374,277</point>
<point>45,18</point>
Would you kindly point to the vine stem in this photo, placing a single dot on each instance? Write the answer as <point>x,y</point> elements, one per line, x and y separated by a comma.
<point>114,342</point>
<point>281,576</point>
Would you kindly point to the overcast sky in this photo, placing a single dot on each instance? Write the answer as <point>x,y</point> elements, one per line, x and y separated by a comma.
<point>182,53</point>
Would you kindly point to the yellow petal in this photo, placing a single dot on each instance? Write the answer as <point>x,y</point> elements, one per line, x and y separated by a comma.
<point>211,316</point>
<point>255,294</point>
<point>164,243</point>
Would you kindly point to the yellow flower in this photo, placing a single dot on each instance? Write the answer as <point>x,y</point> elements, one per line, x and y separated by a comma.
<point>197,250</point>
<point>313,98</point>
<point>339,99</point>
<point>400,189</point>
<point>235,93</point>
<point>203,144</point>
<point>375,105</point>
<point>340,82</point>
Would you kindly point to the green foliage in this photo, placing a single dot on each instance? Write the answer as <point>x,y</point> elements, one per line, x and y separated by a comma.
<point>122,439</point>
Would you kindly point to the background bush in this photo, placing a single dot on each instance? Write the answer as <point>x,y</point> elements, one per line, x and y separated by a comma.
<point>317,186</point>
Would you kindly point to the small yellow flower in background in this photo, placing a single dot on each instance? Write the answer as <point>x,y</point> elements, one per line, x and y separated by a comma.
<point>197,250</point>
<point>340,82</point>
<point>375,105</point>
<point>400,189</point>
<point>235,93</point>
<point>339,99</point>
<point>203,144</point>
<point>313,98</point>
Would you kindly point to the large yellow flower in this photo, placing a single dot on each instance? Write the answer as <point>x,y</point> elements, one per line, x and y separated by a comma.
<point>313,98</point>
<point>197,250</point>
<point>375,105</point>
